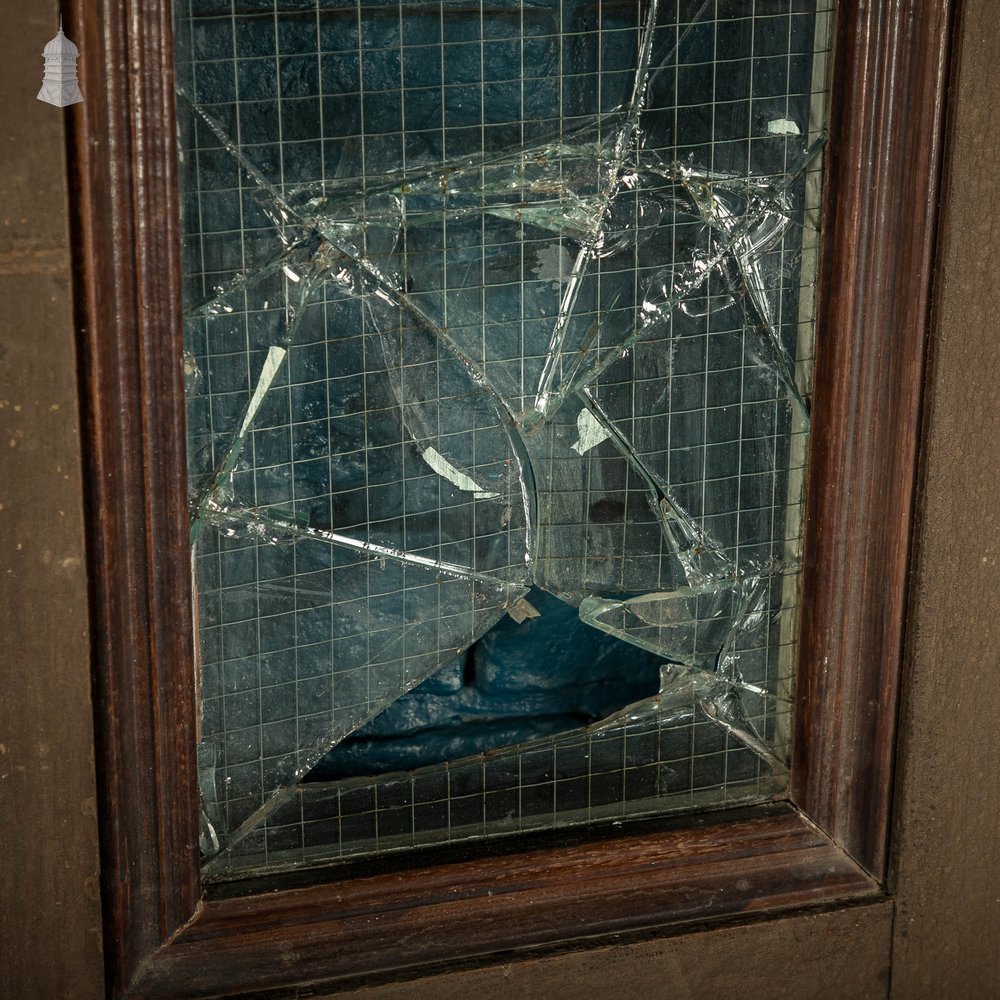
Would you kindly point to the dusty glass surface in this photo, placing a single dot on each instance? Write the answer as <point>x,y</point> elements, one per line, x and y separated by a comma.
<point>498,351</point>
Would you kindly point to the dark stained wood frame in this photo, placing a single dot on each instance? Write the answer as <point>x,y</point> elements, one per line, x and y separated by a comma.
<point>825,847</point>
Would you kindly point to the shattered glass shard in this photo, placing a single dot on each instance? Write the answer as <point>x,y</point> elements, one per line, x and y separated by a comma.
<point>689,626</point>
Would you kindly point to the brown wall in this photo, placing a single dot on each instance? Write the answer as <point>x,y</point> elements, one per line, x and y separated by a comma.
<point>945,925</point>
<point>836,956</point>
<point>947,840</point>
<point>49,902</point>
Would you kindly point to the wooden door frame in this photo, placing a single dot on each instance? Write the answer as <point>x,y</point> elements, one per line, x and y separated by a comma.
<point>826,846</point>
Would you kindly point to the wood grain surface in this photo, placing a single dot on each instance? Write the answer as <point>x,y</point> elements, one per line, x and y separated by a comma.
<point>880,203</point>
<point>392,926</point>
<point>947,829</point>
<point>125,230</point>
<point>839,955</point>
<point>50,919</point>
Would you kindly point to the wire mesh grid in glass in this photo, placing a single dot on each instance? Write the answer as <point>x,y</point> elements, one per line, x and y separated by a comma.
<point>498,341</point>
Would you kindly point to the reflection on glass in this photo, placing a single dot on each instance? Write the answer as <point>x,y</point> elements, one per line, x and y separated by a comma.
<point>498,339</point>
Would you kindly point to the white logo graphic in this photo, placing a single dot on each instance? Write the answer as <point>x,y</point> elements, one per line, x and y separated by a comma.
<point>59,86</point>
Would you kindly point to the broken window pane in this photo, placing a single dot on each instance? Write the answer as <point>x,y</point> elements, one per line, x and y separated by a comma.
<point>498,355</point>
